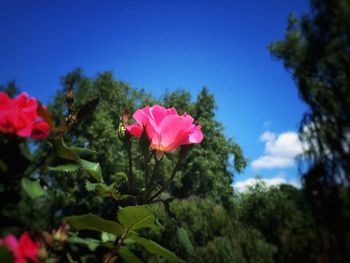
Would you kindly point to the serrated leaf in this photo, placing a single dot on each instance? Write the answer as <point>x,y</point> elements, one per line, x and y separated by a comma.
<point>104,190</point>
<point>136,217</point>
<point>90,186</point>
<point>93,169</point>
<point>90,243</point>
<point>83,151</point>
<point>87,109</point>
<point>128,256</point>
<point>66,168</point>
<point>32,188</point>
<point>184,240</point>
<point>96,223</point>
<point>62,150</point>
<point>155,248</point>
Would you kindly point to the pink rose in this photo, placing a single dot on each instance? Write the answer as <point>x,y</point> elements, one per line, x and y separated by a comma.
<point>23,249</point>
<point>19,116</point>
<point>165,129</point>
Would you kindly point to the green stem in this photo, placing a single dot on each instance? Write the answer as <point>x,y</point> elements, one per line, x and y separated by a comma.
<point>168,182</point>
<point>130,175</point>
<point>150,185</point>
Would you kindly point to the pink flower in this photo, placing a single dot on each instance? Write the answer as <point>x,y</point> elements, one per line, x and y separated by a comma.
<point>165,129</point>
<point>23,249</point>
<point>19,116</point>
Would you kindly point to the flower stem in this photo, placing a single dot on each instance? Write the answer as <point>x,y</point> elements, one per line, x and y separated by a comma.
<point>130,175</point>
<point>178,164</point>
<point>150,184</point>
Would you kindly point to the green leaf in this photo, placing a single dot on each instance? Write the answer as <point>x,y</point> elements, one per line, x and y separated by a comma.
<point>83,151</point>
<point>96,223</point>
<point>87,109</point>
<point>154,248</point>
<point>128,256</point>
<point>6,255</point>
<point>90,243</point>
<point>32,188</point>
<point>136,217</point>
<point>93,169</point>
<point>104,190</point>
<point>105,237</point>
<point>184,240</point>
<point>66,168</point>
<point>121,176</point>
<point>90,186</point>
<point>62,150</point>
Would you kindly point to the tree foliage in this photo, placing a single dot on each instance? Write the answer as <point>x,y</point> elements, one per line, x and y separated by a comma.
<point>316,49</point>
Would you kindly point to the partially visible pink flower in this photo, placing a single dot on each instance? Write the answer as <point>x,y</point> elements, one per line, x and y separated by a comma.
<point>23,250</point>
<point>165,129</point>
<point>19,116</point>
<point>40,130</point>
<point>28,248</point>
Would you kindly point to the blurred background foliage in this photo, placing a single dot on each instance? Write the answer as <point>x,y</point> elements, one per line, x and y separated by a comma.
<point>262,224</point>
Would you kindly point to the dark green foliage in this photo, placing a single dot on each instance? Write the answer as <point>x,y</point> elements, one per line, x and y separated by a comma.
<point>283,217</point>
<point>316,49</point>
<point>216,236</point>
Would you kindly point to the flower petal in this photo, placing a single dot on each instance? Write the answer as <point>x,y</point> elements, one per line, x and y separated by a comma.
<point>134,130</point>
<point>158,113</point>
<point>173,130</point>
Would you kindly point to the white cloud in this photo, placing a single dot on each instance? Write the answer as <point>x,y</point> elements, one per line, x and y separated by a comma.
<point>280,178</point>
<point>280,150</point>
<point>269,161</point>
<point>268,136</point>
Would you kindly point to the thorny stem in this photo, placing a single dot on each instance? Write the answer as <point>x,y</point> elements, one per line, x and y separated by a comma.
<point>168,182</point>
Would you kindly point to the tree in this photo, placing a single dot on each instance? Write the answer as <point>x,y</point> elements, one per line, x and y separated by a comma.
<point>284,219</point>
<point>316,49</point>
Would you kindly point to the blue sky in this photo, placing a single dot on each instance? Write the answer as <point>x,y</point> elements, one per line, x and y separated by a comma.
<point>162,45</point>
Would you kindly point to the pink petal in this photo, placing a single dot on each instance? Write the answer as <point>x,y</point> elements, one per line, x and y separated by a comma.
<point>196,135</point>
<point>173,130</point>
<point>27,104</point>
<point>141,116</point>
<point>28,248</point>
<point>40,130</point>
<point>144,119</point>
<point>26,131</point>
<point>5,101</point>
<point>158,113</point>
<point>134,130</point>
<point>11,242</point>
